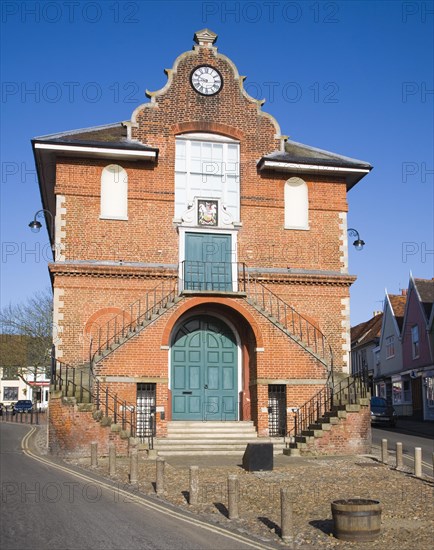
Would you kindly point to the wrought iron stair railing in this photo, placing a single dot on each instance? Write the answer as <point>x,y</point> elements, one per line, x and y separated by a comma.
<point>82,385</point>
<point>129,322</point>
<point>286,317</point>
<point>329,399</point>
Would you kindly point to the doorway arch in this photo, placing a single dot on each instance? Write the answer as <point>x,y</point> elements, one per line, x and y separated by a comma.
<point>204,370</point>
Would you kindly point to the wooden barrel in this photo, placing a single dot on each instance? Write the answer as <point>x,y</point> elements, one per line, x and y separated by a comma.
<point>357,519</point>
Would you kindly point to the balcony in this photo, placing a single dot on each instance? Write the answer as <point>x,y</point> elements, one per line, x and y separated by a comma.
<point>212,277</point>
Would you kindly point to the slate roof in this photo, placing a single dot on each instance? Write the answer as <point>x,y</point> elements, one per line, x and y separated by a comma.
<point>398,305</point>
<point>305,154</point>
<point>300,154</point>
<point>425,288</point>
<point>109,136</point>
<point>367,331</point>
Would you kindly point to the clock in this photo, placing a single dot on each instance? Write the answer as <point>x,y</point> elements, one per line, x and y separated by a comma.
<point>206,80</point>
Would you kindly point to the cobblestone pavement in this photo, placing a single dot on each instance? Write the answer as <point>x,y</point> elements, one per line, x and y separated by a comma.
<point>407,502</point>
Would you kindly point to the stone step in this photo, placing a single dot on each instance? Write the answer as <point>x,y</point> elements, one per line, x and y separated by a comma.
<point>205,429</point>
<point>190,436</point>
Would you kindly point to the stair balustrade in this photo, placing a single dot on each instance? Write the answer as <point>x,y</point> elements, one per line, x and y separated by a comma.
<point>135,317</point>
<point>71,383</point>
<point>347,392</point>
<point>286,317</point>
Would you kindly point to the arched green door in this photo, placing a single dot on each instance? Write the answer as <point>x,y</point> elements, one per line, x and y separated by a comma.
<point>204,371</point>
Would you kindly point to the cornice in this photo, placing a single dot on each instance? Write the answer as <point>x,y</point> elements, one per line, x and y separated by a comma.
<point>76,269</point>
<point>112,271</point>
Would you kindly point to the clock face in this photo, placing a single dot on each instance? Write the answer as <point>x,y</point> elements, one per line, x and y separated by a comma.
<point>206,80</point>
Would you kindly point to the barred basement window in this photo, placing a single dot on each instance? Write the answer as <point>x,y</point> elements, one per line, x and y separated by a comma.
<point>277,410</point>
<point>146,397</point>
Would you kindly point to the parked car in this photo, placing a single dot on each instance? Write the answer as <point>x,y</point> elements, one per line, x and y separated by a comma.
<point>382,412</point>
<point>23,405</point>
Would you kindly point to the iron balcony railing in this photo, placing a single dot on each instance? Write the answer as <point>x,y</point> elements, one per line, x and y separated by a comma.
<point>86,388</point>
<point>212,276</point>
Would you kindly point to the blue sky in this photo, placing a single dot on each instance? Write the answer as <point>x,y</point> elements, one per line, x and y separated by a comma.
<point>355,78</point>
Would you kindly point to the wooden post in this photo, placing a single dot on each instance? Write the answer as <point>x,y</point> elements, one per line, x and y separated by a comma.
<point>193,496</point>
<point>134,467</point>
<point>399,456</point>
<point>418,461</point>
<point>287,523</point>
<point>112,459</point>
<point>160,475</point>
<point>233,496</point>
<point>384,457</point>
<point>94,455</point>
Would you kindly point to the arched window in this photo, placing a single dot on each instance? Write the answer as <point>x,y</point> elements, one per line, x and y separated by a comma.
<point>114,193</point>
<point>207,165</point>
<point>296,204</point>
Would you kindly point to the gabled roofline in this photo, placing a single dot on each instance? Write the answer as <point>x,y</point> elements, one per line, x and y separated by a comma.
<point>388,303</point>
<point>413,286</point>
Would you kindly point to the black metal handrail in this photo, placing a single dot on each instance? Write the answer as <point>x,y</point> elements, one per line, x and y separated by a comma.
<point>346,392</point>
<point>65,379</point>
<point>133,317</point>
<point>295,324</point>
<point>212,276</point>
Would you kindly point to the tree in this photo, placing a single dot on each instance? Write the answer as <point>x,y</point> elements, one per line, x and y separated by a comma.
<point>26,335</point>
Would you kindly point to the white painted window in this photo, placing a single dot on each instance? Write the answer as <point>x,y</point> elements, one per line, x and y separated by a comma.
<point>401,392</point>
<point>296,204</point>
<point>114,193</point>
<point>390,347</point>
<point>415,345</point>
<point>208,166</point>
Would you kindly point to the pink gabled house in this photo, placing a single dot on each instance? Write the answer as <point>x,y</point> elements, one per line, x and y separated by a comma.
<point>418,347</point>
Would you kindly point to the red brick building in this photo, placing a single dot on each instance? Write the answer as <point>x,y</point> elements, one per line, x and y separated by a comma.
<point>201,256</point>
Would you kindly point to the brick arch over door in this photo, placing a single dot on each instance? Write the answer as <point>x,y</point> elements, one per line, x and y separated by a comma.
<point>236,316</point>
<point>207,301</point>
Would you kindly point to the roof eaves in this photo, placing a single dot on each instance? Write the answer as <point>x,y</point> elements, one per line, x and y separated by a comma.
<point>77,131</point>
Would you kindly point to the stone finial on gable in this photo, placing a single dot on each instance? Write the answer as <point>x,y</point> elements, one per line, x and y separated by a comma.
<point>205,37</point>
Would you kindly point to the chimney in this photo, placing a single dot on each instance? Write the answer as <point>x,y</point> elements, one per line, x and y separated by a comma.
<point>375,313</point>
<point>403,292</point>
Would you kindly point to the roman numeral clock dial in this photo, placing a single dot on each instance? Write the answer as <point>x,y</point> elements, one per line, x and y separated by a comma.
<point>206,80</point>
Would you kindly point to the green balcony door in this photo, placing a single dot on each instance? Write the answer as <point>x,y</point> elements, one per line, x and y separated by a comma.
<point>208,262</point>
<point>204,371</point>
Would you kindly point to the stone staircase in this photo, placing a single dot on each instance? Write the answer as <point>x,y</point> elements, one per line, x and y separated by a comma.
<point>308,442</point>
<point>210,438</point>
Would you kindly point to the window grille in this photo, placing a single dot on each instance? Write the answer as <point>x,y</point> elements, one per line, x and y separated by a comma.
<point>146,397</point>
<point>277,410</point>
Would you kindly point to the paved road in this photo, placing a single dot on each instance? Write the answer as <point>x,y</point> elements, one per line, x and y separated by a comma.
<point>46,506</point>
<point>409,442</point>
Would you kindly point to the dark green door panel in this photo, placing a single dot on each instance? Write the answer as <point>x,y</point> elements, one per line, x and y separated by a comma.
<point>204,371</point>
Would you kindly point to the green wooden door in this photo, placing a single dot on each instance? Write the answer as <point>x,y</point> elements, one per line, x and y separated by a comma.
<point>204,371</point>
<point>208,264</point>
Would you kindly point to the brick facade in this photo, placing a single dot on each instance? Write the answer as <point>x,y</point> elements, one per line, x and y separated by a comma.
<point>104,265</point>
